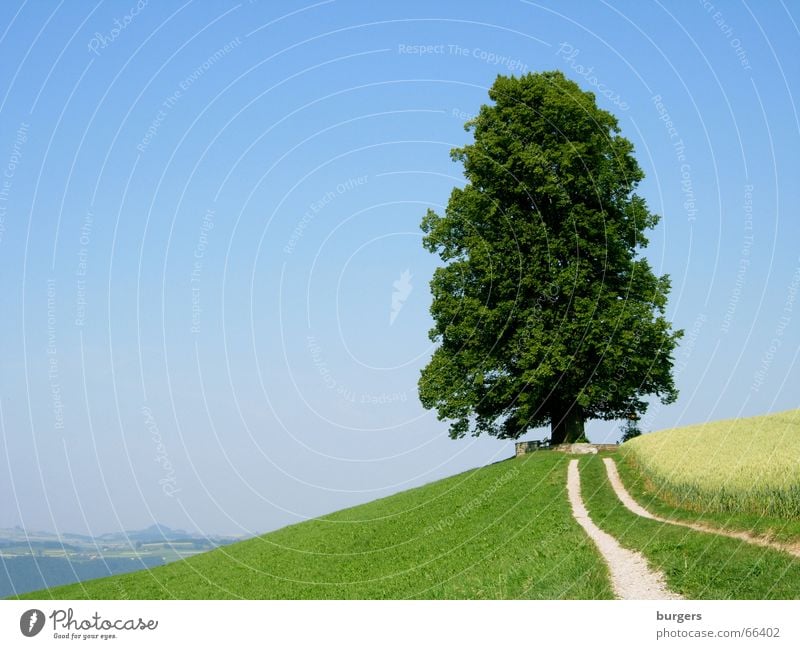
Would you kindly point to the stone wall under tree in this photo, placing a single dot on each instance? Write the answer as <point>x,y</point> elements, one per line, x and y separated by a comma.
<point>523,448</point>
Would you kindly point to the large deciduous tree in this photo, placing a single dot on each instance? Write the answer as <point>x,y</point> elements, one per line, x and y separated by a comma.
<point>545,310</point>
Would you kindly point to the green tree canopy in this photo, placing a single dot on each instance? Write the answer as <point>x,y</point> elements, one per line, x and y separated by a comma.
<point>545,311</point>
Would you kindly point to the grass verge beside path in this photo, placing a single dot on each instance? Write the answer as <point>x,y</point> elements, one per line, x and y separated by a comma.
<point>501,531</point>
<point>696,565</point>
<point>651,498</point>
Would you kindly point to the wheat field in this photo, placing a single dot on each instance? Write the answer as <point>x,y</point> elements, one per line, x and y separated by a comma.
<point>740,465</point>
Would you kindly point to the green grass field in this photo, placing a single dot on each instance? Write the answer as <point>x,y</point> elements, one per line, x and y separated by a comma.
<point>741,466</point>
<point>506,531</point>
<point>502,531</point>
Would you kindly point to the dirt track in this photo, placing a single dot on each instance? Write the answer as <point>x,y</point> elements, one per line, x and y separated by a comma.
<point>631,577</point>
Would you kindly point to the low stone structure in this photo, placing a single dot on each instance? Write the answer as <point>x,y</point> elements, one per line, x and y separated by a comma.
<point>523,448</point>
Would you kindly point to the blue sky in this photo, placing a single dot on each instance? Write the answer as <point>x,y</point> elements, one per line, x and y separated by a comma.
<point>208,209</point>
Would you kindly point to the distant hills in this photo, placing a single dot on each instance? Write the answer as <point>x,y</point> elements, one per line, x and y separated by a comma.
<point>34,560</point>
<point>154,533</point>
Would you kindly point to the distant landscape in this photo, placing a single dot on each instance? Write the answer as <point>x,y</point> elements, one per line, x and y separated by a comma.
<point>40,560</point>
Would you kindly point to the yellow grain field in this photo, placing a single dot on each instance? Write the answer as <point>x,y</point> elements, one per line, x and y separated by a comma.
<point>738,465</point>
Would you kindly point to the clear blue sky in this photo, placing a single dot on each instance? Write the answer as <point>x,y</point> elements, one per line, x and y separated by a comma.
<point>206,206</point>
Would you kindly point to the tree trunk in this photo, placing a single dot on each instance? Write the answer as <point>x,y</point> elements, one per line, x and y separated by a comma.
<point>566,424</point>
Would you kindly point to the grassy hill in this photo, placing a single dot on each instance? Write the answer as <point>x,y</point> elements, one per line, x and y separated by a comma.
<point>502,531</point>
<point>506,531</point>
